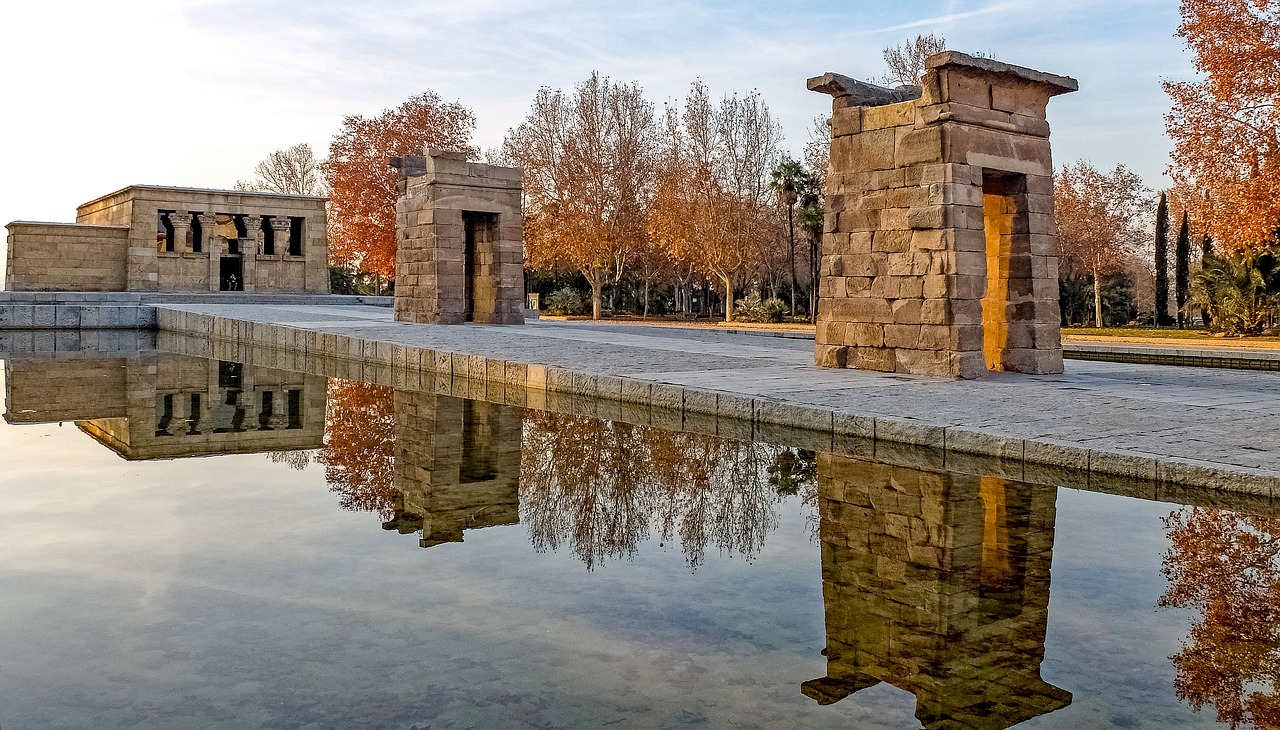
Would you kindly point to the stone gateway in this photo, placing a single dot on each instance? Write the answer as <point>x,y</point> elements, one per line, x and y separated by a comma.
<point>460,241</point>
<point>939,254</point>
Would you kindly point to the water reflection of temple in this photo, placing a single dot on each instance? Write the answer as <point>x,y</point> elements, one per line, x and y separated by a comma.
<point>456,466</point>
<point>158,406</point>
<point>937,584</point>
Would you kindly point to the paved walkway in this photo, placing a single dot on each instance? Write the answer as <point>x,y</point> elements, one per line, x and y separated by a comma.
<point>1225,418</point>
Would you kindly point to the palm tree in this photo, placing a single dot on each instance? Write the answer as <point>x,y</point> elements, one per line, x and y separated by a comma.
<point>1240,293</point>
<point>788,177</point>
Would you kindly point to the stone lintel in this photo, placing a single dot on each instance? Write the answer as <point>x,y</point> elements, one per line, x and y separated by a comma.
<point>860,93</point>
<point>1053,83</point>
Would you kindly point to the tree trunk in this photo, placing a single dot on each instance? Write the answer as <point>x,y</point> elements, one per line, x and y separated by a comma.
<point>815,265</point>
<point>791,240</point>
<point>1097,298</point>
<point>728,299</point>
<point>597,299</point>
<point>645,315</point>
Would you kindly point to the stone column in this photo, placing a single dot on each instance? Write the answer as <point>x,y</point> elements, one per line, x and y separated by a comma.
<point>280,226</point>
<point>208,224</point>
<point>215,261</point>
<point>213,245</point>
<point>181,222</point>
<point>249,248</point>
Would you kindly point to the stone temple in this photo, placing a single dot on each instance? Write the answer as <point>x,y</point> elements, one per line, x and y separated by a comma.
<point>153,238</point>
<point>939,255</point>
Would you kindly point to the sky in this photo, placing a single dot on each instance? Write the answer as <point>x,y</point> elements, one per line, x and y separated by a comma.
<point>96,96</point>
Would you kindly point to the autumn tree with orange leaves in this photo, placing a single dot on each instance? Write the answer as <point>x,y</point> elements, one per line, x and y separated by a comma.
<point>362,185</point>
<point>588,159</point>
<point>1100,220</point>
<point>714,206</point>
<point>1224,126</point>
<point>1226,565</point>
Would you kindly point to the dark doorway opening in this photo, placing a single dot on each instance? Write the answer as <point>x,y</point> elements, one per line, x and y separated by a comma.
<point>480,231</point>
<point>231,274</point>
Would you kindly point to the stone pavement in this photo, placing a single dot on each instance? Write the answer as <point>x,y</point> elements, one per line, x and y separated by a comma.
<point>1169,424</point>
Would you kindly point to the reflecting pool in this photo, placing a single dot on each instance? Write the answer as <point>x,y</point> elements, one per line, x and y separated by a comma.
<point>213,543</point>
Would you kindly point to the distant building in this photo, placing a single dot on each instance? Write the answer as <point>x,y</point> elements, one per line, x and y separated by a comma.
<point>148,238</point>
<point>165,406</point>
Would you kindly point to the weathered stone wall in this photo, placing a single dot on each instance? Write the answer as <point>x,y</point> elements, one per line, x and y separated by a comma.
<point>938,584</point>
<point>41,389</point>
<point>456,467</point>
<point>939,255</point>
<point>65,257</point>
<point>444,202</point>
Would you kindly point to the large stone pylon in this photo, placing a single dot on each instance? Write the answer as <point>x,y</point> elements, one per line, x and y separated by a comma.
<point>939,255</point>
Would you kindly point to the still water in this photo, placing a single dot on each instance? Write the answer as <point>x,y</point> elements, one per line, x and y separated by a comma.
<point>206,544</point>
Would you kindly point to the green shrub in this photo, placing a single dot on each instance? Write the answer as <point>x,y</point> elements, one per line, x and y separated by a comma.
<point>752,309</point>
<point>564,302</point>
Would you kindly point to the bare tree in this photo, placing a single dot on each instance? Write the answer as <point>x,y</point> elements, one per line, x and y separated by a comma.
<point>294,171</point>
<point>588,159</point>
<point>906,62</point>
<point>714,207</point>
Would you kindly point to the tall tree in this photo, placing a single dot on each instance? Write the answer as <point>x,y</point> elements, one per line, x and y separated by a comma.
<point>1182,268</point>
<point>1099,220</point>
<point>293,171</point>
<point>363,192</point>
<point>817,153</point>
<point>1224,127</point>
<point>714,207</point>
<point>906,62</point>
<point>588,159</point>
<point>1162,262</point>
<point>787,181</point>
<point>1206,250</point>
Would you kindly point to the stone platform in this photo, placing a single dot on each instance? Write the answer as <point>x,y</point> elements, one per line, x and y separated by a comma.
<point>1167,425</point>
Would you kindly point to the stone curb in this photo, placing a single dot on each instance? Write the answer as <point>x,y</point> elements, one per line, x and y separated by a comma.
<point>734,415</point>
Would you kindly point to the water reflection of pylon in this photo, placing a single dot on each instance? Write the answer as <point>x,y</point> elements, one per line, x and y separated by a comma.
<point>457,466</point>
<point>937,584</point>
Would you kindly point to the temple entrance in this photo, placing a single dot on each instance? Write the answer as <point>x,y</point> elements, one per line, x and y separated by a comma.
<point>231,274</point>
<point>1006,326</point>
<point>480,232</point>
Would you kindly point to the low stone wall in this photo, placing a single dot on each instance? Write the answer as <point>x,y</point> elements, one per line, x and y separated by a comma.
<point>720,413</point>
<point>127,310</point>
<point>66,257</point>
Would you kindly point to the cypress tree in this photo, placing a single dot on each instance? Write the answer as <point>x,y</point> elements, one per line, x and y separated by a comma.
<point>1182,268</point>
<point>1162,263</point>
<point>1206,250</point>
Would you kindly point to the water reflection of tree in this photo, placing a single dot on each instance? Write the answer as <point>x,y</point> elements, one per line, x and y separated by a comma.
<point>298,460</point>
<point>359,445</point>
<point>600,488</point>
<point>1227,566</point>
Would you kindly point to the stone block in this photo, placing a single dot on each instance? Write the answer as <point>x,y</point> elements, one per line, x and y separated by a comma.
<point>830,356</point>
<point>734,406</point>
<point>875,358</point>
<point>918,146</point>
